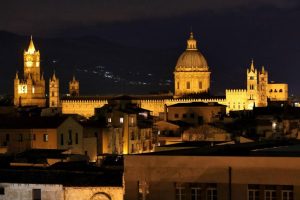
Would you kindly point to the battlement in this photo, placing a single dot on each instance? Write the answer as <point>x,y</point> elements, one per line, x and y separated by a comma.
<point>235,91</point>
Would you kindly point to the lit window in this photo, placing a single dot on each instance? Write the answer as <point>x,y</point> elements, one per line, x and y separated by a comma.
<point>33,90</point>
<point>46,138</point>
<point>109,120</point>
<point>121,120</point>
<point>131,120</point>
<point>22,89</point>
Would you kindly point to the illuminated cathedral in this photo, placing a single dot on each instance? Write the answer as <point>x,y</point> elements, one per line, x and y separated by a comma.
<point>191,84</point>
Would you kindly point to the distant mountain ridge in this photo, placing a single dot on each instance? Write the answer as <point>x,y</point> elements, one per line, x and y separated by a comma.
<point>101,66</point>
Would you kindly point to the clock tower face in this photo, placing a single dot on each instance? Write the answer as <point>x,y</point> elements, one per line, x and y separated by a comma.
<point>22,89</point>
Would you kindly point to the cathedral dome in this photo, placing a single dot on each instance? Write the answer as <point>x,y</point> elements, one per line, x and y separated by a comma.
<point>191,59</point>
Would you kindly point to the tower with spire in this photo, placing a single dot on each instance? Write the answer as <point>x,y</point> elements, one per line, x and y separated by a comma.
<point>29,90</point>
<point>252,84</point>
<point>74,87</point>
<point>54,92</point>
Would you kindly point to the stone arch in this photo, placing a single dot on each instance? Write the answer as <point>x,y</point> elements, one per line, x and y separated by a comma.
<point>100,196</point>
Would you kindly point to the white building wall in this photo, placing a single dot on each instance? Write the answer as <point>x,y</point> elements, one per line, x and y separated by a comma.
<point>14,191</point>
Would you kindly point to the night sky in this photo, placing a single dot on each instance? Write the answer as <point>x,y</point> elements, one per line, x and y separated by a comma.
<point>230,33</point>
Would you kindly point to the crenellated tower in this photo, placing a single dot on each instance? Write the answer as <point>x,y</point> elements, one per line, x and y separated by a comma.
<point>74,87</point>
<point>54,100</point>
<point>30,90</point>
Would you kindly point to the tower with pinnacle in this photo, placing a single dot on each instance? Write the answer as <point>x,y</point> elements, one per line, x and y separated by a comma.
<point>54,91</point>
<point>74,87</point>
<point>29,90</point>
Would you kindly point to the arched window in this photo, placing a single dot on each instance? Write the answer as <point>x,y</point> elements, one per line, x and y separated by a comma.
<point>100,196</point>
<point>280,90</point>
<point>271,90</point>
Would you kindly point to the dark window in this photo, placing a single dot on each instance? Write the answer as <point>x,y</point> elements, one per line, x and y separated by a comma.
<point>188,85</point>
<point>53,94</point>
<point>61,139</point>
<point>177,85</point>
<point>34,137</point>
<point>70,137</point>
<point>192,115</point>
<point>2,191</point>
<point>200,84</point>
<point>275,90</point>
<point>76,138</point>
<point>45,137</point>
<point>36,194</point>
<point>20,138</point>
<point>183,115</point>
<point>251,77</point>
<point>176,115</point>
<point>280,90</point>
<point>271,90</point>
<point>7,137</point>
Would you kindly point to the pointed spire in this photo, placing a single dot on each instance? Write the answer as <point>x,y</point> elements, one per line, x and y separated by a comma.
<point>17,75</point>
<point>42,77</point>
<point>29,76</point>
<point>191,42</point>
<point>263,70</point>
<point>252,65</point>
<point>74,78</point>
<point>31,48</point>
<point>53,76</point>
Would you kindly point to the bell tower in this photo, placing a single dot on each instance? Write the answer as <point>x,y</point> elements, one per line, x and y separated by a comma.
<point>252,86</point>
<point>262,88</point>
<point>32,62</point>
<point>74,87</point>
<point>54,91</point>
<point>30,89</point>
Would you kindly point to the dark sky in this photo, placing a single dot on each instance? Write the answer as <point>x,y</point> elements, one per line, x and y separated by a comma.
<point>230,32</point>
<point>49,17</point>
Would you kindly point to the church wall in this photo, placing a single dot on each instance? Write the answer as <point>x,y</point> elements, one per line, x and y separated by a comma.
<point>277,91</point>
<point>198,82</point>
